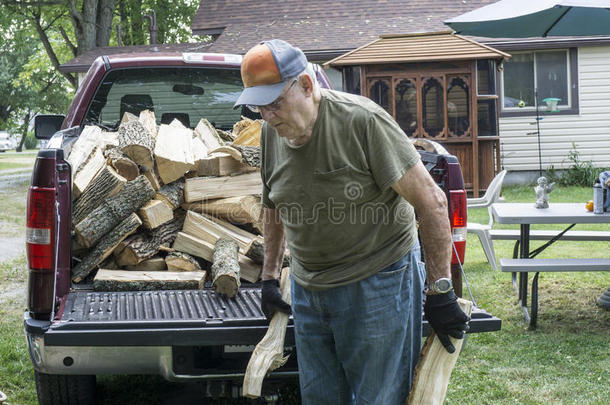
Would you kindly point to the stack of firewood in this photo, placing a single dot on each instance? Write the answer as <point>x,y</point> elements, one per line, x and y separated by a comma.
<point>156,206</point>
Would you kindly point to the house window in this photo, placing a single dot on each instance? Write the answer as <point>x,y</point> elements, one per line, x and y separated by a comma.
<point>550,72</point>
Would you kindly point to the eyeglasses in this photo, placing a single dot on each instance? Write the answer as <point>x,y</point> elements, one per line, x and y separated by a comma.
<point>272,106</point>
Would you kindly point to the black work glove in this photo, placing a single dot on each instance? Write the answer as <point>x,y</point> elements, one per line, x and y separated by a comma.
<point>446,318</point>
<point>271,299</point>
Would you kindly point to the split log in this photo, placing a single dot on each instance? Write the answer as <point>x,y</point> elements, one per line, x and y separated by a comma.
<point>242,210</point>
<point>155,263</point>
<point>148,121</point>
<point>226,136</point>
<point>235,154</point>
<point>153,177</point>
<point>200,152</point>
<point>434,367</point>
<point>249,136</point>
<point>242,124</point>
<point>83,146</point>
<point>109,264</point>
<point>269,353</point>
<point>87,171</point>
<point>137,143</point>
<point>172,194</point>
<point>211,229</point>
<point>173,151</point>
<point>155,213</point>
<point>208,188</point>
<point>113,210</point>
<point>256,252</point>
<point>207,133</point>
<point>186,243</point>
<point>127,116</point>
<point>142,246</point>
<point>121,163</point>
<point>250,155</point>
<point>105,247</point>
<point>119,280</point>
<point>180,261</point>
<point>105,184</point>
<point>225,267</point>
<point>219,164</point>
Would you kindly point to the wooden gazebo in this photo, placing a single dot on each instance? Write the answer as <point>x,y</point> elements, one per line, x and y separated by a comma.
<point>438,86</point>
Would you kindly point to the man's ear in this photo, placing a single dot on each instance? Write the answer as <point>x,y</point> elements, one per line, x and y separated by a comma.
<point>306,84</point>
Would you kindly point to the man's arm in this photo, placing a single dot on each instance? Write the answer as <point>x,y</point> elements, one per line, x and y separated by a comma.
<point>275,243</point>
<point>441,310</point>
<point>419,189</point>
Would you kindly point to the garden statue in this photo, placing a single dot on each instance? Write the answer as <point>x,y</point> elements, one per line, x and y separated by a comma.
<point>543,189</point>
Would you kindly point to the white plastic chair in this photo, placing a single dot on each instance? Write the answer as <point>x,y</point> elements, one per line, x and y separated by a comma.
<point>482,230</point>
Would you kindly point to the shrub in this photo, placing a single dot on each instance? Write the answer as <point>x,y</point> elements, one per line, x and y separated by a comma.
<point>30,141</point>
<point>580,173</point>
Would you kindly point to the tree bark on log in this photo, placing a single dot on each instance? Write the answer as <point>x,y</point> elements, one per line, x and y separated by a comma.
<point>105,247</point>
<point>121,163</point>
<point>126,280</point>
<point>106,184</point>
<point>172,193</point>
<point>225,267</point>
<point>269,353</point>
<point>256,252</point>
<point>179,261</point>
<point>142,246</point>
<point>208,188</point>
<point>250,155</point>
<point>434,367</point>
<point>153,177</point>
<point>137,143</point>
<point>113,210</point>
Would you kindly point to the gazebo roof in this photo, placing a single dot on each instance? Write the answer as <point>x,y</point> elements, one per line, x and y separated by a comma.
<point>424,47</point>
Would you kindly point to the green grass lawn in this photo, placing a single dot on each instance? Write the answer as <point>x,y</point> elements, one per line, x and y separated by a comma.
<point>13,160</point>
<point>564,361</point>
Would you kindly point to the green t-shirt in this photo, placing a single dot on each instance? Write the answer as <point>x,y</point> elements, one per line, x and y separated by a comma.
<point>343,220</point>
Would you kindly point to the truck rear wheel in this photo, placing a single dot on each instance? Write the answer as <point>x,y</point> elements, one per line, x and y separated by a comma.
<point>53,389</point>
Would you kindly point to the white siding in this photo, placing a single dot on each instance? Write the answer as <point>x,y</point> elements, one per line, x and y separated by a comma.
<point>590,130</point>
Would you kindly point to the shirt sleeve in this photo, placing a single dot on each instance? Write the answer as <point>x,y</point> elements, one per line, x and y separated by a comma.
<point>389,151</point>
<point>265,201</point>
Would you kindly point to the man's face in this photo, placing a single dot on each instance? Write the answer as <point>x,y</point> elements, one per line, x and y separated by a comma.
<point>289,113</point>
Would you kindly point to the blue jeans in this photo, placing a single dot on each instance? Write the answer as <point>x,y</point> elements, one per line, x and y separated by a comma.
<point>359,343</point>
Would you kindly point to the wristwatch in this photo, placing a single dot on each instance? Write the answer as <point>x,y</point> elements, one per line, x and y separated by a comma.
<point>441,286</point>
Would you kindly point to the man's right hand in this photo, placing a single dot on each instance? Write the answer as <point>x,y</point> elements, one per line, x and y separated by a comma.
<point>271,299</point>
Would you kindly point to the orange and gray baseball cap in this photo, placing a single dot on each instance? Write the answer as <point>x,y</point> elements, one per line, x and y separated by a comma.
<point>265,70</point>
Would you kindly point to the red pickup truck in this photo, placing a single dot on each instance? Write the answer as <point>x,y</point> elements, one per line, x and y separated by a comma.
<point>74,332</point>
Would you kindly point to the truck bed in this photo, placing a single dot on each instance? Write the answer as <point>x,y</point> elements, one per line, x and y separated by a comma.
<point>151,318</point>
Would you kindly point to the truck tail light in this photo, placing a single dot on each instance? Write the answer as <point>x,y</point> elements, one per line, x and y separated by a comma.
<point>40,250</point>
<point>458,217</point>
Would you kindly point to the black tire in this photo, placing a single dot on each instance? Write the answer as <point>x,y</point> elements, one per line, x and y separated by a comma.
<point>55,389</point>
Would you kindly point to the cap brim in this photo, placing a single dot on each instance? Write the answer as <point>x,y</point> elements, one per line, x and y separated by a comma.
<point>260,95</point>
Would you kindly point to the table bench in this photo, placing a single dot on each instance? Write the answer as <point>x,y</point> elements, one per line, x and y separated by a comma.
<point>587,236</point>
<point>550,265</point>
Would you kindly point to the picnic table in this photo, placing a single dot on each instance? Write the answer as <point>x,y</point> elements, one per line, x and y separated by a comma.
<point>524,260</point>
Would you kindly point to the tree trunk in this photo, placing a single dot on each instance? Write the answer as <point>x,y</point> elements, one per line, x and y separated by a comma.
<point>225,267</point>
<point>113,210</point>
<point>105,247</point>
<point>24,131</point>
<point>269,353</point>
<point>105,13</point>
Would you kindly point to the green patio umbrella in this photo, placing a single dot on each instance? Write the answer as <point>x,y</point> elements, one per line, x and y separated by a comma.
<point>535,18</point>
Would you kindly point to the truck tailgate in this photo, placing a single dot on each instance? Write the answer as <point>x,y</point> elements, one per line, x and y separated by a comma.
<point>201,317</point>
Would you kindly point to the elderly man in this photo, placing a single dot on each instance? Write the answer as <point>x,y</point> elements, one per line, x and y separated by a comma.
<point>340,185</point>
